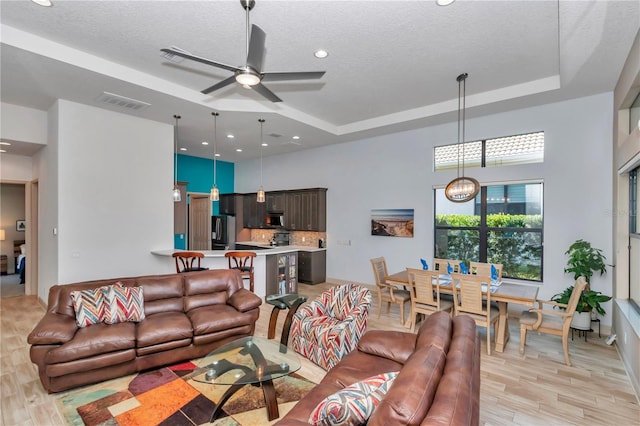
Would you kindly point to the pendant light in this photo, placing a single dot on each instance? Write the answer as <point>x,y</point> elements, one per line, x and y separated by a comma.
<point>177,197</point>
<point>461,189</point>
<point>215,192</point>
<point>261,198</point>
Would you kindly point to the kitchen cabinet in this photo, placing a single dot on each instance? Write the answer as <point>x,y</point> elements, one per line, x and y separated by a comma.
<point>306,210</point>
<point>254,214</point>
<point>276,202</point>
<point>227,204</point>
<point>312,266</point>
<point>282,273</point>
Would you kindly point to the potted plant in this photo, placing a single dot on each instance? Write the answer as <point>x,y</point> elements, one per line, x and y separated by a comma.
<point>583,261</point>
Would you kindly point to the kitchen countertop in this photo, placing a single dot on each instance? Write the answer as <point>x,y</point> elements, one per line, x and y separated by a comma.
<point>273,248</point>
<point>268,250</point>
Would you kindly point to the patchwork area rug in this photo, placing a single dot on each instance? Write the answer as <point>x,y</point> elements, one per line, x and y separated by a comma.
<point>168,396</point>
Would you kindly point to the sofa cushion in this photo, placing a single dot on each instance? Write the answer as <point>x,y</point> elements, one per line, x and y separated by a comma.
<point>436,331</point>
<point>162,293</point>
<point>89,305</point>
<point>163,327</point>
<point>124,304</point>
<point>394,346</point>
<point>354,404</point>
<point>411,395</point>
<point>95,340</point>
<point>214,318</point>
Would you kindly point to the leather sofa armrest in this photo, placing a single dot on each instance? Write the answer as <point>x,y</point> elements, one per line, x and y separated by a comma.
<point>53,329</point>
<point>394,346</point>
<point>244,300</point>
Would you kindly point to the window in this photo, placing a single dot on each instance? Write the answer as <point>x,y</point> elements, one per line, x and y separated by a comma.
<point>634,239</point>
<point>502,225</point>
<point>510,150</point>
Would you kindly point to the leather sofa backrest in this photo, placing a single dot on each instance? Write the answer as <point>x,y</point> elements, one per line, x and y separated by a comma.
<point>162,293</point>
<point>204,288</point>
<point>436,331</point>
<point>61,294</point>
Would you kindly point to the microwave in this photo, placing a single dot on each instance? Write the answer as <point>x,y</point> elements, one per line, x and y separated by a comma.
<point>275,220</point>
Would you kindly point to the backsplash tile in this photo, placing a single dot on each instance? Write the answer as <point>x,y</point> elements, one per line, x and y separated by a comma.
<point>295,237</point>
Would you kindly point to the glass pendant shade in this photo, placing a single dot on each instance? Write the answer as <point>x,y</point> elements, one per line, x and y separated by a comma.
<point>177,196</point>
<point>261,198</point>
<point>214,195</point>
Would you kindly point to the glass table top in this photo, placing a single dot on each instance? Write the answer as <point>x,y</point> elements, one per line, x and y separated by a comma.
<point>246,361</point>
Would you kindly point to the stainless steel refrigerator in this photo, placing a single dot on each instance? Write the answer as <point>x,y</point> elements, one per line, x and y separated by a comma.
<point>219,233</point>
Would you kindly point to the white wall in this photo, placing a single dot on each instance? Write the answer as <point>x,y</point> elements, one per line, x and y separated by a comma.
<point>114,193</point>
<point>15,168</point>
<point>23,124</point>
<point>395,171</point>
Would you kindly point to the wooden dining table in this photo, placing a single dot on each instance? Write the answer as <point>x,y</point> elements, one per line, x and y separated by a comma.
<point>522,294</point>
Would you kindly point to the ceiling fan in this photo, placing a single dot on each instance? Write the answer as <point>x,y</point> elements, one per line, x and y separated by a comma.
<point>250,75</point>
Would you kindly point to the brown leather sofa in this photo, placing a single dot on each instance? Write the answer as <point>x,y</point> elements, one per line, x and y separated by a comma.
<point>187,315</point>
<point>438,381</point>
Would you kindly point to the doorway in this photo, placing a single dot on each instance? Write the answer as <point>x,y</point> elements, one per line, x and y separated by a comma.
<point>199,222</point>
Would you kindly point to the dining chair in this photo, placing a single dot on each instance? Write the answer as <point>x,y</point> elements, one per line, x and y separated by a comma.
<point>441,265</point>
<point>424,287</point>
<point>469,293</point>
<point>188,261</point>
<point>387,292</point>
<point>484,269</point>
<point>552,321</point>
<point>243,262</point>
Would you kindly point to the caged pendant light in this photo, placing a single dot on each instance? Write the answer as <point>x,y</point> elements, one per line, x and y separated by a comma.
<point>215,192</point>
<point>461,189</point>
<point>177,197</point>
<point>261,198</point>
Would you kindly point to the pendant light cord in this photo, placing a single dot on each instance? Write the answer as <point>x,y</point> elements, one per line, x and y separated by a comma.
<point>215,144</point>
<point>261,147</point>
<point>175,160</point>
<point>462,80</point>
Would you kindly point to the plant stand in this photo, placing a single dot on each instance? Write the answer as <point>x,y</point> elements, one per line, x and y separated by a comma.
<point>580,331</point>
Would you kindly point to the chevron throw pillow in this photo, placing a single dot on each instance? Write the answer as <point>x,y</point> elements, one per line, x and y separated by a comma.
<point>89,305</point>
<point>124,304</point>
<point>354,404</point>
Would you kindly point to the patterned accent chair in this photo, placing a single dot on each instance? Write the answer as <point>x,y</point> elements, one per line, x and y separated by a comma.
<point>329,327</point>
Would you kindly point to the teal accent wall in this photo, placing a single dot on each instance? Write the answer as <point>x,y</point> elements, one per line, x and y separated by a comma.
<point>198,173</point>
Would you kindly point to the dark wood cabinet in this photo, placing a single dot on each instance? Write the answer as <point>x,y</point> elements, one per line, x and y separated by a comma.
<point>282,273</point>
<point>312,266</point>
<point>227,204</point>
<point>293,211</point>
<point>276,202</point>
<point>254,214</point>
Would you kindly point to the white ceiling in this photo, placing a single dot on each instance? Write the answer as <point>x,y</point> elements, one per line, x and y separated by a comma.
<point>392,65</point>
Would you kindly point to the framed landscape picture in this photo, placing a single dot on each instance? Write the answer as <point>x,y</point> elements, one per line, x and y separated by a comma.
<point>392,222</point>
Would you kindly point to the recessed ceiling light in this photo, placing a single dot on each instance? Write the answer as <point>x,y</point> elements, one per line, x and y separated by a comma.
<point>205,143</point>
<point>183,149</point>
<point>239,150</point>
<point>265,144</point>
<point>295,137</point>
<point>230,136</point>
<point>444,2</point>
<point>2,150</point>
<point>5,143</point>
<point>321,54</point>
<point>217,155</point>
<point>45,3</point>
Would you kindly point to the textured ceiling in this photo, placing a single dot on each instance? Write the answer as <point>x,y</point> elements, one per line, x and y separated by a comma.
<point>392,64</point>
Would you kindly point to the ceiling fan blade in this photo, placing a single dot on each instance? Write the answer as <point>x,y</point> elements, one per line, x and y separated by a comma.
<point>256,48</point>
<point>260,88</point>
<point>200,59</point>
<point>225,82</point>
<point>281,76</point>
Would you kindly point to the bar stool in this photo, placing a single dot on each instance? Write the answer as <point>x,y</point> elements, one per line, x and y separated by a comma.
<point>185,261</point>
<point>243,262</point>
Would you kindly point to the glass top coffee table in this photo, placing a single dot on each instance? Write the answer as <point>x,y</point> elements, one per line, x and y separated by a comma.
<point>247,361</point>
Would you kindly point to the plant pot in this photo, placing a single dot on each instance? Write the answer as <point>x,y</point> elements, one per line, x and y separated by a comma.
<point>581,321</point>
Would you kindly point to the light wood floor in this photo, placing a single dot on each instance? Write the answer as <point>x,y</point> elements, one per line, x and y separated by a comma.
<point>537,389</point>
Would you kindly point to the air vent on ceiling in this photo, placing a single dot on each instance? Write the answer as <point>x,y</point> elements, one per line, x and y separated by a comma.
<point>122,101</point>
<point>274,135</point>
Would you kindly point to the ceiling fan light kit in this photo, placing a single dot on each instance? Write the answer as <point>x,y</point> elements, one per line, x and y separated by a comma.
<point>249,76</point>
<point>461,189</point>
